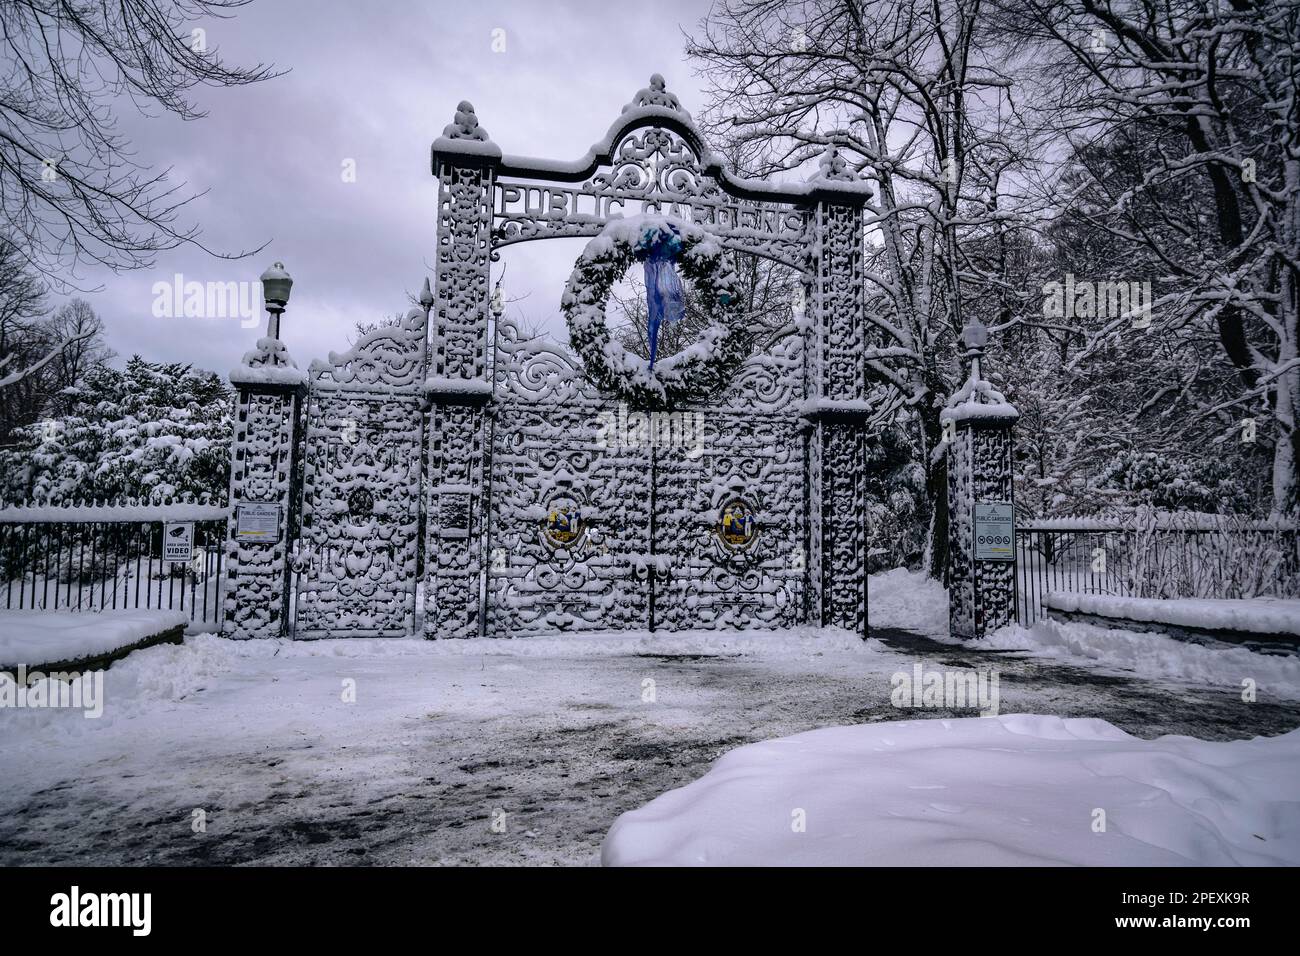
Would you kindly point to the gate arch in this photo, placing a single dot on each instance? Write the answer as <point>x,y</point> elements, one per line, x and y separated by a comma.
<point>535,521</point>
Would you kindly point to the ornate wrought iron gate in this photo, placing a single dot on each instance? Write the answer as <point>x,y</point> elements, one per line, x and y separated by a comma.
<point>545,504</point>
<point>607,517</point>
<point>364,439</point>
<point>538,520</point>
<point>449,449</point>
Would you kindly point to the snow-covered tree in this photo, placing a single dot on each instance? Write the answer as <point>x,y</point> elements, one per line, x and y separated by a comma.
<point>39,355</point>
<point>150,430</point>
<point>1206,92</point>
<point>913,95</point>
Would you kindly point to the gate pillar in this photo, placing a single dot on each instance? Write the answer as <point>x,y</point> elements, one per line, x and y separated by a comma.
<point>263,468</point>
<point>981,572</point>
<point>837,409</point>
<point>465,162</point>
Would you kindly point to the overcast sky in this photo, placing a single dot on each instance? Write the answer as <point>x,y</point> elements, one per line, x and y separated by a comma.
<point>375,82</point>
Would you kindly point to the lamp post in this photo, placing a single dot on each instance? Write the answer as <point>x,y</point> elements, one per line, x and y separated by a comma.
<point>276,285</point>
<point>975,336</point>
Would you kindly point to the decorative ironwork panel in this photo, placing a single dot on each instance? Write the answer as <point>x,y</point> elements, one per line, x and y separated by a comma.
<point>981,594</point>
<point>454,540</point>
<point>649,493</point>
<point>837,464</point>
<point>842,347</point>
<point>262,462</point>
<point>357,557</point>
<point>464,222</point>
<point>843,537</point>
<point>570,541</point>
<point>729,518</point>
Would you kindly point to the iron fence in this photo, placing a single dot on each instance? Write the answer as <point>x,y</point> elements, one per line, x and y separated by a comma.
<point>82,564</point>
<point>1224,559</point>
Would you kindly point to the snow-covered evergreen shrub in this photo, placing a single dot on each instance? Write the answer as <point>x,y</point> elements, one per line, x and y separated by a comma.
<point>1193,484</point>
<point>150,430</point>
<point>896,519</point>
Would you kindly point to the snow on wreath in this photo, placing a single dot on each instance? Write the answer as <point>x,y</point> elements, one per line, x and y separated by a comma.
<point>663,244</point>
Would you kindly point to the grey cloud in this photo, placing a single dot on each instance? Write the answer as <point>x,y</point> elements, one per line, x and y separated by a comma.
<point>375,82</point>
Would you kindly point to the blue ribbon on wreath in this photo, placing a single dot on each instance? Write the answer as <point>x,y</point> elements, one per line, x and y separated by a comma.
<point>665,296</point>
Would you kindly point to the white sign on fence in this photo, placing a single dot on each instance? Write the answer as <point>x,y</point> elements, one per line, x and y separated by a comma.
<point>178,541</point>
<point>258,521</point>
<point>995,532</point>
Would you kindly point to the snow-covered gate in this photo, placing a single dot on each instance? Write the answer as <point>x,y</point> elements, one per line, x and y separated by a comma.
<point>603,516</point>
<point>534,490</point>
<point>553,505</point>
<point>356,561</point>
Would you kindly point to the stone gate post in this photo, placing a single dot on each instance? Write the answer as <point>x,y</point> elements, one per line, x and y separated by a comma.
<point>465,162</point>
<point>263,468</point>
<point>837,406</point>
<point>981,573</point>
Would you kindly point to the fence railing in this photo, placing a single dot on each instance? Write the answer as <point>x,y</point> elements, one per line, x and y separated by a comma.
<point>1225,558</point>
<point>61,559</point>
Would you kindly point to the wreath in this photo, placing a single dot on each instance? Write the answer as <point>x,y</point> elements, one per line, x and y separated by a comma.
<point>702,369</point>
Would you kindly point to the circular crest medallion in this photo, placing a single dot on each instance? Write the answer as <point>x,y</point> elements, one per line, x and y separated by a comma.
<point>738,527</point>
<point>563,525</point>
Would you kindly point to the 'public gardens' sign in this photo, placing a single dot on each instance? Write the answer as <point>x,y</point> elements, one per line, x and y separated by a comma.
<point>258,522</point>
<point>995,532</point>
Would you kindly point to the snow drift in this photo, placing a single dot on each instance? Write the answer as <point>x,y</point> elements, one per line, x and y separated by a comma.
<point>1011,791</point>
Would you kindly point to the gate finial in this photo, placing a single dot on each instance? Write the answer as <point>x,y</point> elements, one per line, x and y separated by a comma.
<point>656,94</point>
<point>833,166</point>
<point>465,125</point>
<point>465,137</point>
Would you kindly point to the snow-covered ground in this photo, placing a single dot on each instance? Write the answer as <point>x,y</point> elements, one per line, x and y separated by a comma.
<point>1261,615</point>
<point>408,751</point>
<point>43,637</point>
<point>1156,656</point>
<point>562,735</point>
<point>1017,790</point>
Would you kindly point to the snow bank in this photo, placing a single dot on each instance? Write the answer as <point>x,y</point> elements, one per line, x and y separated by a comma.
<point>1008,791</point>
<point>911,600</point>
<point>1255,616</point>
<point>143,683</point>
<point>44,637</point>
<point>1155,656</point>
